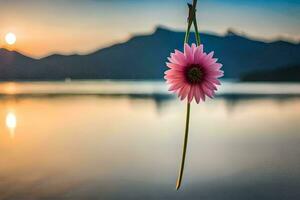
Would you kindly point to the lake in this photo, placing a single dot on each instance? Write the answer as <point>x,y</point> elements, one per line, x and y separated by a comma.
<point>123,140</point>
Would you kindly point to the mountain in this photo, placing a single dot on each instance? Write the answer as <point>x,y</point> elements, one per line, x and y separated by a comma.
<point>144,57</point>
<point>290,74</point>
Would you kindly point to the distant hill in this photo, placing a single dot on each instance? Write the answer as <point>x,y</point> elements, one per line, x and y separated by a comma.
<point>285,74</point>
<point>144,57</point>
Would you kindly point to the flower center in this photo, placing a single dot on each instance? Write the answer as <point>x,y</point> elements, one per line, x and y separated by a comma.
<point>194,74</point>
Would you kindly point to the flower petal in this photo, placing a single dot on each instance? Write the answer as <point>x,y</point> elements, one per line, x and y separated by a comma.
<point>216,74</point>
<point>207,91</point>
<point>184,91</point>
<point>213,80</point>
<point>174,66</point>
<point>210,55</point>
<point>209,85</point>
<point>176,86</point>
<point>197,94</point>
<point>180,58</point>
<point>216,65</point>
<point>202,94</point>
<point>198,54</point>
<point>188,52</point>
<point>191,94</point>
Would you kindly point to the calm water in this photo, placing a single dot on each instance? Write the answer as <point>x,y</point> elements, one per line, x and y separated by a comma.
<point>123,140</point>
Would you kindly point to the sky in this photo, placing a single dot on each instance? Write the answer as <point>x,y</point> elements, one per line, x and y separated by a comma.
<point>45,27</point>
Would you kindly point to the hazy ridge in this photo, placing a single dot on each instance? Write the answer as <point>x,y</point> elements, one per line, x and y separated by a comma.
<point>144,57</point>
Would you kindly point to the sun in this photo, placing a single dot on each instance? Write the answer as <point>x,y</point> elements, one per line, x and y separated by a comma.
<point>11,120</point>
<point>10,38</point>
<point>11,123</point>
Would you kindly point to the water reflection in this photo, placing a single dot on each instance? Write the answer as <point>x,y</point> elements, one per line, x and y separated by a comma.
<point>11,123</point>
<point>128,147</point>
<point>9,88</point>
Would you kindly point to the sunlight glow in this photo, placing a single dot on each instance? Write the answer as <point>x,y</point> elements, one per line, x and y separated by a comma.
<point>8,88</point>
<point>11,123</point>
<point>10,38</point>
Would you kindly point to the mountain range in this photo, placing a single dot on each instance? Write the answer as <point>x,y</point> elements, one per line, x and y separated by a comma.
<point>282,74</point>
<point>144,57</point>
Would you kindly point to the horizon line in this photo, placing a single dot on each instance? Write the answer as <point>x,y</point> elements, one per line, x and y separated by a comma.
<point>166,28</point>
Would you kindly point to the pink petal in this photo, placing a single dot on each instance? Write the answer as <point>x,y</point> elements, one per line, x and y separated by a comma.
<point>210,55</point>
<point>173,81</point>
<point>207,91</point>
<point>174,71</point>
<point>184,91</point>
<point>172,60</point>
<point>197,94</point>
<point>209,85</point>
<point>216,66</point>
<point>174,66</point>
<point>188,52</point>
<point>194,47</point>
<point>191,94</point>
<point>201,59</point>
<point>200,48</point>
<point>179,56</point>
<point>211,61</point>
<point>216,74</point>
<point>176,86</point>
<point>213,80</point>
<point>198,54</point>
<point>206,61</point>
<point>202,94</point>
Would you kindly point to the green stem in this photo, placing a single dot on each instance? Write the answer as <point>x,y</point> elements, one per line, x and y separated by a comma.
<point>197,35</point>
<point>188,108</point>
<point>187,33</point>
<point>191,17</point>
<point>191,20</point>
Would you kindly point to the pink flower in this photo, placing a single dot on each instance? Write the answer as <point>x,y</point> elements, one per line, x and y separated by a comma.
<point>193,74</point>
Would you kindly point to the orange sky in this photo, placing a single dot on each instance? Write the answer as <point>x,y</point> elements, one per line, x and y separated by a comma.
<point>40,40</point>
<point>73,26</point>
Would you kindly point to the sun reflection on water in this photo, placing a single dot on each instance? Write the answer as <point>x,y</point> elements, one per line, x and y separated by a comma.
<point>11,123</point>
<point>51,145</point>
<point>8,88</point>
